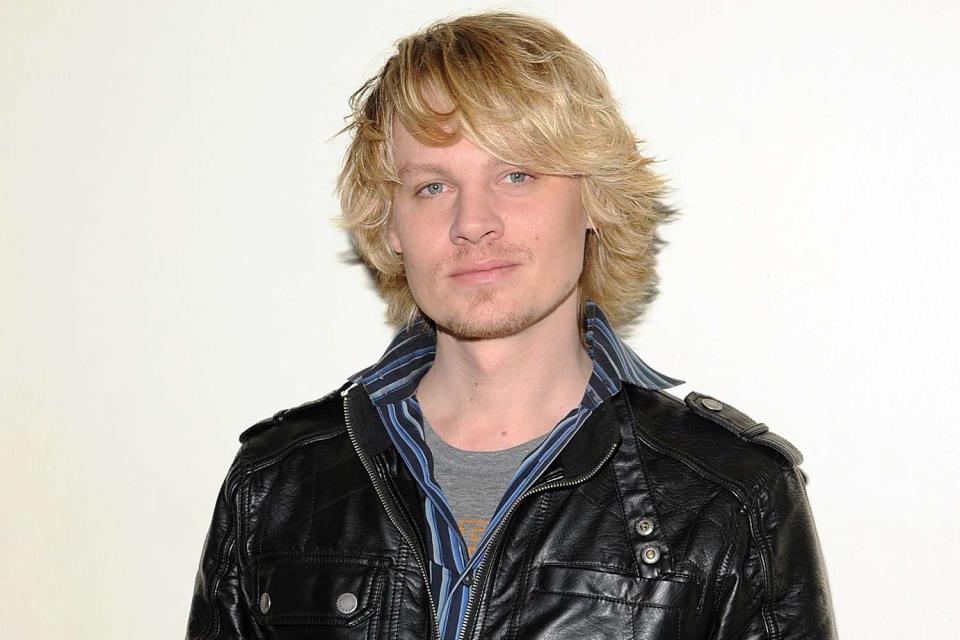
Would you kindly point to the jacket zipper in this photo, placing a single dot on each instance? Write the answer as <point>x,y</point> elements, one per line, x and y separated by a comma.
<point>478,574</point>
<point>375,479</point>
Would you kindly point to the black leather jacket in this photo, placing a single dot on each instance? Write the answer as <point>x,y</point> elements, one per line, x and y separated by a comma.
<point>660,519</point>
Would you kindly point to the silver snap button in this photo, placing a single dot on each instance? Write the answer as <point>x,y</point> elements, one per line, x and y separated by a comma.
<point>712,404</point>
<point>264,603</point>
<point>644,527</point>
<point>650,554</point>
<point>346,603</point>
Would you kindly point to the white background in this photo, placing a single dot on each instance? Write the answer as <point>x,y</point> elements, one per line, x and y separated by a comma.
<point>169,273</point>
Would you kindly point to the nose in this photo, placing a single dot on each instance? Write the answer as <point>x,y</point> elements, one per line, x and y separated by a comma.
<point>475,219</point>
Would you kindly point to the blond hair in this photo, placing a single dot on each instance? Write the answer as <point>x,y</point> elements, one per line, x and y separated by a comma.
<point>523,92</point>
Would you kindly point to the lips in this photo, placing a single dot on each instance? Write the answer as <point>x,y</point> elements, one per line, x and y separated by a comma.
<point>480,267</point>
<point>483,272</point>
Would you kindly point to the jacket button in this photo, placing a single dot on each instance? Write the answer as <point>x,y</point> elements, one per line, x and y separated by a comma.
<point>644,527</point>
<point>467,579</point>
<point>346,603</point>
<point>650,554</point>
<point>713,405</point>
<point>264,603</point>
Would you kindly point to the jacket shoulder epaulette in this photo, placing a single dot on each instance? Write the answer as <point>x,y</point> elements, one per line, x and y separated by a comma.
<point>287,426</point>
<point>723,443</point>
<point>741,425</point>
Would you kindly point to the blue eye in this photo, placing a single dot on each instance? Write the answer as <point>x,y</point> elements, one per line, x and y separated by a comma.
<point>517,177</point>
<point>432,189</point>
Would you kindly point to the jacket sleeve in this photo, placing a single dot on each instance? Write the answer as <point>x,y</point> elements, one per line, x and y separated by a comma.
<point>775,586</point>
<point>220,609</point>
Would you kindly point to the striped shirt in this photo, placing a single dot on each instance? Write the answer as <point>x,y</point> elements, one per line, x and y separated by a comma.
<point>392,383</point>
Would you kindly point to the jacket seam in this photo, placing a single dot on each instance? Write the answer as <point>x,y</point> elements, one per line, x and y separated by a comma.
<point>259,538</point>
<point>733,487</point>
<point>223,558</point>
<point>397,595</point>
<point>543,506</point>
<point>259,465</point>
<point>739,489</point>
<point>213,629</point>
<point>724,572</point>
<point>684,543</point>
<point>631,603</point>
<point>623,513</point>
<point>262,462</point>
<point>313,497</point>
<point>692,460</point>
<point>766,557</point>
<point>650,485</point>
<point>625,414</point>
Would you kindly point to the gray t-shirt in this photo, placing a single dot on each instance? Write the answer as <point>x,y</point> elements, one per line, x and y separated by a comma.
<point>474,481</point>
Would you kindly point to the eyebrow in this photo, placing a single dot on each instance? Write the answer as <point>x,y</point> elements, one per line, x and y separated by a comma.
<point>439,169</point>
<point>427,167</point>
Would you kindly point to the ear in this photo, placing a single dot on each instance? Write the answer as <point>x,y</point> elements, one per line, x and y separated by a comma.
<point>393,240</point>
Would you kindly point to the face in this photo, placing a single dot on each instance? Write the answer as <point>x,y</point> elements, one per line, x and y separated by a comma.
<point>489,248</point>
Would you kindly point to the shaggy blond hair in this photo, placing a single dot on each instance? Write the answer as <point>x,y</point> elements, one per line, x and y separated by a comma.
<point>520,90</point>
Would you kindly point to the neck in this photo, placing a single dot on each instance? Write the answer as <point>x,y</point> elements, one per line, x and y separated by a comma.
<point>486,395</point>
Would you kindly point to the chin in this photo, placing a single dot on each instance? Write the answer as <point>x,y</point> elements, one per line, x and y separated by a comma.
<point>488,313</point>
<point>485,317</point>
<point>482,325</point>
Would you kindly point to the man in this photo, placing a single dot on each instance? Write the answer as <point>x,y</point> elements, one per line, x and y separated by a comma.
<point>509,468</point>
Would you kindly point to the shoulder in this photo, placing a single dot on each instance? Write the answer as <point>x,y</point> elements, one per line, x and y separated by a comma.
<point>714,438</point>
<point>286,429</point>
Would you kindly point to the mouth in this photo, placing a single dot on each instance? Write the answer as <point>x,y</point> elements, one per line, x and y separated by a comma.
<point>483,272</point>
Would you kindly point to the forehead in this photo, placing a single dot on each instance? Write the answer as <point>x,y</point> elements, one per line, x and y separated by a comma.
<point>410,153</point>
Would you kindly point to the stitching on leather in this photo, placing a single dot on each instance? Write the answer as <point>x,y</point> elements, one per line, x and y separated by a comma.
<point>376,603</point>
<point>626,407</point>
<point>653,496</point>
<point>243,571</point>
<point>396,606</point>
<point>372,594</point>
<point>696,464</point>
<point>313,498</point>
<point>213,627</point>
<point>766,550</point>
<point>264,503</point>
<point>334,621</point>
<point>682,553</point>
<point>630,603</point>
<point>722,574</point>
<point>483,605</point>
<point>340,556</point>
<point>623,571</point>
<point>623,519</point>
<point>543,506</point>
<point>257,465</point>
<point>539,587</point>
<point>223,554</point>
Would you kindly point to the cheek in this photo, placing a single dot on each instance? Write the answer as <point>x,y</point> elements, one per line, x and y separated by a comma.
<point>562,239</point>
<point>420,257</point>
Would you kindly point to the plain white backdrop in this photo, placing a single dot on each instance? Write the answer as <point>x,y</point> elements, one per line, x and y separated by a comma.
<point>169,273</point>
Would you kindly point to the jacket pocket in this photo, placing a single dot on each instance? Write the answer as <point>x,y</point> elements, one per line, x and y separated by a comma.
<point>341,593</point>
<point>604,584</point>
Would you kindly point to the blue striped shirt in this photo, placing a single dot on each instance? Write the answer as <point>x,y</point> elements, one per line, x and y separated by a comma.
<point>391,384</point>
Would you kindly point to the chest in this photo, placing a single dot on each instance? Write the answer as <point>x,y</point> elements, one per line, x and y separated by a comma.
<point>342,555</point>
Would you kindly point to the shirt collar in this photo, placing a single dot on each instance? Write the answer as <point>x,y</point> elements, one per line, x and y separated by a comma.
<point>394,377</point>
